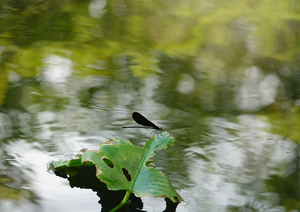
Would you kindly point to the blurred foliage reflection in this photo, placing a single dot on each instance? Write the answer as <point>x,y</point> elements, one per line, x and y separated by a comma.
<point>209,70</point>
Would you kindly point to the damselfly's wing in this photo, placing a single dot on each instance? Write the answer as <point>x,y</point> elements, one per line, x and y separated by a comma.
<point>140,119</point>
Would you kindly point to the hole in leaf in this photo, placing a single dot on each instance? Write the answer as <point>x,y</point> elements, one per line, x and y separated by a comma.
<point>127,174</point>
<point>108,162</point>
<point>148,163</point>
<point>138,155</point>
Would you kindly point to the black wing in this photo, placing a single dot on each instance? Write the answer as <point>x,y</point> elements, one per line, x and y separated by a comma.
<point>140,119</point>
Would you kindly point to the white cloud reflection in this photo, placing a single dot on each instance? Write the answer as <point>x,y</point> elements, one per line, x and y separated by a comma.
<point>186,84</point>
<point>96,8</point>
<point>238,162</point>
<point>57,70</point>
<point>256,90</point>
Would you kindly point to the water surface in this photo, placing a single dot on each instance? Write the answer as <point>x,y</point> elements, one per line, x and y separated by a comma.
<point>221,77</point>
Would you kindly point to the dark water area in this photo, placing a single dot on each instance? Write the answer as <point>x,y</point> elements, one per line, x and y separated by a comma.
<point>223,78</point>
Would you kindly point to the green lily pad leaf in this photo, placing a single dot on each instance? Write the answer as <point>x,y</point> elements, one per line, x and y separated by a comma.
<point>122,166</point>
<point>69,167</point>
<point>66,163</point>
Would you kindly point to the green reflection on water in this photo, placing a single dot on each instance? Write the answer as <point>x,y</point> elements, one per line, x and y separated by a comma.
<point>210,72</point>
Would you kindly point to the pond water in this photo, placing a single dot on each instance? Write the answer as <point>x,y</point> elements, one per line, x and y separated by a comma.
<point>223,78</point>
